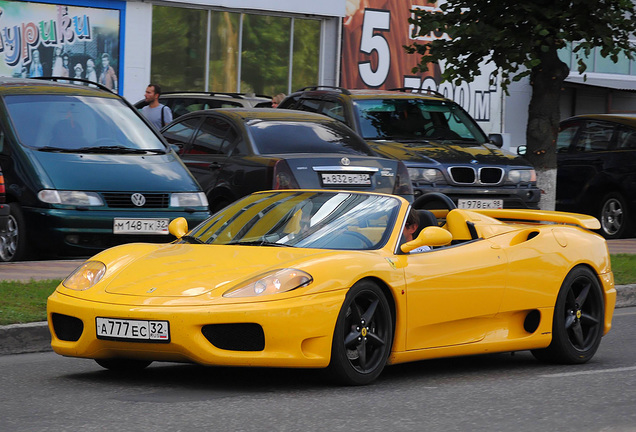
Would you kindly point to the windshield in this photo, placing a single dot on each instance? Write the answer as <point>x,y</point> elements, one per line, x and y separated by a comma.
<point>288,136</point>
<point>416,119</point>
<point>73,123</point>
<point>326,220</point>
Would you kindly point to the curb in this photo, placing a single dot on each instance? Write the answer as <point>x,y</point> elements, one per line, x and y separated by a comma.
<point>35,337</point>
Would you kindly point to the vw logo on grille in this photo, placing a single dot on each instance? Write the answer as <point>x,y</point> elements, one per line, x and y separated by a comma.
<point>138,199</point>
<point>345,161</point>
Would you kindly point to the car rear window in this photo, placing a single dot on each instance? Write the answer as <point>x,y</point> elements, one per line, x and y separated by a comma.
<point>288,136</point>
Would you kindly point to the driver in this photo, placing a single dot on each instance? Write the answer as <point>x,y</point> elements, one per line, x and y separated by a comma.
<point>412,224</point>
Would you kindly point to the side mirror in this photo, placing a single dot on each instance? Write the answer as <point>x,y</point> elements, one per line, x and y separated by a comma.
<point>430,236</point>
<point>496,139</point>
<point>178,227</point>
<point>521,150</point>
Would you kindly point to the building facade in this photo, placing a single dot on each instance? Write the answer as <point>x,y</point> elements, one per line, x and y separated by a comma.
<point>252,46</point>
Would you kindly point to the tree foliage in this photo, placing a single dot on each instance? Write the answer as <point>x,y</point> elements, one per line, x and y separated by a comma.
<point>522,39</point>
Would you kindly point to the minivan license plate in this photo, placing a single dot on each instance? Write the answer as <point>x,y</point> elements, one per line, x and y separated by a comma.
<point>479,204</point>
<point>140,226</point>
<point>113,328</point>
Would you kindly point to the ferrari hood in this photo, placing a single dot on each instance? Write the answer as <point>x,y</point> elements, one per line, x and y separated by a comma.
<point>444,152</point>
<point>183,270</point>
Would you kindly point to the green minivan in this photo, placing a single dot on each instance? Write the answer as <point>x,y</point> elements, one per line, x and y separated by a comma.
<point>85,171</point>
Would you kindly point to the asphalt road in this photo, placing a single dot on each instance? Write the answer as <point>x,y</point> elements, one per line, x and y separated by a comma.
<point>46,392</point>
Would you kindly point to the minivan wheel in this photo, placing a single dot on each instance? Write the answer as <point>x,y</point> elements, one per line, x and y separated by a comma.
<point>13,244</point>
<point>615,217</point>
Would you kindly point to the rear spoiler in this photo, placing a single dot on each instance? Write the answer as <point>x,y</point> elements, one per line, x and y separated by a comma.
<point>542,216</point>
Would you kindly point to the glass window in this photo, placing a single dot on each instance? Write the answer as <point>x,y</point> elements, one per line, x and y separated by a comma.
<point>181,133</point>
<point>179,40</point>
<point>224,51</point>
<point>626,139</point>
<point>595,137</point>
<point>265,55</point>
<point>334,109</point>
<point>68,122</point>
<point>276,137</point>
<point>606,65</point>
<point>210,138</point>
<point>309,105</point>
<point>306,53</point>
<point>565,137</point>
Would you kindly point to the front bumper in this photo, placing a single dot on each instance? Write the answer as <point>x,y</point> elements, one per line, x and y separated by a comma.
<point>513,197</point>
<point>72,231</point>
<point>298,331</point>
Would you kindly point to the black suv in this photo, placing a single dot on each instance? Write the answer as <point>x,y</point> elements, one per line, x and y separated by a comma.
<point>443,148</point>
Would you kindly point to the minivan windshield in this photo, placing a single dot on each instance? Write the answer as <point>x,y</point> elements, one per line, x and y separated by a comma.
<point>74,123</point>
<point>416,119</point>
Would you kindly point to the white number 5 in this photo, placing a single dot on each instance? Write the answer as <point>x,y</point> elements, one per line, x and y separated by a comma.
<point>375,20</point>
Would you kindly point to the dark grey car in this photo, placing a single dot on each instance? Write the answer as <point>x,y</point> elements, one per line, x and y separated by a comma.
<point>234,152</point>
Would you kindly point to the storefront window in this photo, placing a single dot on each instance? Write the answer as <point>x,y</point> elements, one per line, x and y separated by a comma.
<point>265,54</point>
<point>306,53</point>
<point>224,51</point>
<point>606,65</point>
<point>179,40</point>
<point>248,53</point>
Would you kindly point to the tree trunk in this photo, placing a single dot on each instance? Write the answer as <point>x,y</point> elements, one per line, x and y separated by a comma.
<point>544,115</point>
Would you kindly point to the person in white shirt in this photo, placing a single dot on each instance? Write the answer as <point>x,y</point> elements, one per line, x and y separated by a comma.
<point>157,114</point>
<point>412,224</point>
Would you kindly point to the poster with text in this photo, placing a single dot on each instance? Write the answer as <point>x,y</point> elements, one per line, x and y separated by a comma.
<point>373,56</point>
<point>38,39</point>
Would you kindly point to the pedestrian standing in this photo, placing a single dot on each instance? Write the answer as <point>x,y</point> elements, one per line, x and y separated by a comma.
<point>157,114</point>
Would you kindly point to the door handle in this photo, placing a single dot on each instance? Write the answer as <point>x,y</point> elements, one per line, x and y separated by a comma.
<point>214,166</point>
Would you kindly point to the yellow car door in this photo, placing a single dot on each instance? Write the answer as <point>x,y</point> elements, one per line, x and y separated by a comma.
<point>452,292</point>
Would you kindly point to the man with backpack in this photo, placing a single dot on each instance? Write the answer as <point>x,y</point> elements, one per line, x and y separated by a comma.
<point>157,114</point>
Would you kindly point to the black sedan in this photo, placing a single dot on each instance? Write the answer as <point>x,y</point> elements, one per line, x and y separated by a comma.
<point>596,157</point>
<point>236,151</point>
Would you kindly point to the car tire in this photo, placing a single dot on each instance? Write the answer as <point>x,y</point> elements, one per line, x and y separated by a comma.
<point>123,365</point>
<point>363,336</point>
<point>13,242</point>
<point>615,217</point>
<point>578,322</point>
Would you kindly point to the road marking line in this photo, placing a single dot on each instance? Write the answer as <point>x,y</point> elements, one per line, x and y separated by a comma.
<point>592,372</point>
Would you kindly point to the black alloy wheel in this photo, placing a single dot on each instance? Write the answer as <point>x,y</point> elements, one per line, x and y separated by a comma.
<point>363,336</point>
<point>579,317</point>
<point>614,216</point>
<point>13,244</point>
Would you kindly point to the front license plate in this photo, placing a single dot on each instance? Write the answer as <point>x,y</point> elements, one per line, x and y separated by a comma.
<point>345,179</point>
<point>479,204</point>
<point>140,226</point>
<point>136,330</point>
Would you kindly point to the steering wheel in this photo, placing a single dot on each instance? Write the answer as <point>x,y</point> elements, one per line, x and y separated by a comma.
<point>428,200</point>
<point>360,237</point>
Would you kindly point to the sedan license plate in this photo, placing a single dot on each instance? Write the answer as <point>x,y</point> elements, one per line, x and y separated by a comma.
<point>140,226</point>
<point>479,204</point>
<point>134,330</point>
<point>346,179</point>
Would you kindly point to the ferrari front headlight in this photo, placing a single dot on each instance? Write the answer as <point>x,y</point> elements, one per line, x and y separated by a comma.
<point>274,282</point>
<point>85,276</point>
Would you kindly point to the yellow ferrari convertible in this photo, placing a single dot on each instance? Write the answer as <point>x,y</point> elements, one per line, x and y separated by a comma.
<point>342,280</point>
